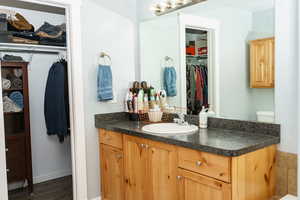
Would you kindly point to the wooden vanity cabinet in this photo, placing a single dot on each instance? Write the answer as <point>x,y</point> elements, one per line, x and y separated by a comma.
<point>134,168</point>
<point>111,166</point>
<point>195,186</point>
<point>262,63</point>
<point>150,170</point>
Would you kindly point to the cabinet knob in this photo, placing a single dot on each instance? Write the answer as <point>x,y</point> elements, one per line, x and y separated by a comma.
<point>147,146</point>
<point>6,150</point>
<point>179,177</point>
<point>7,170</point>
<point>119,156</point>
<point>142,145</point>
<point>198,163</point>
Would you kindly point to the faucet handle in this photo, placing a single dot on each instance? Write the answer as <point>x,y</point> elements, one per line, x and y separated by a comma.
<point>181,116</point>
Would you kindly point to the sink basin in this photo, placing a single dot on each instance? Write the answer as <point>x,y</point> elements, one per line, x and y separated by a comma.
<point>170,129</point>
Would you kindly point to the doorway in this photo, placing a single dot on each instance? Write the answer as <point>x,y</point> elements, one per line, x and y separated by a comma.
<point>76,127</point>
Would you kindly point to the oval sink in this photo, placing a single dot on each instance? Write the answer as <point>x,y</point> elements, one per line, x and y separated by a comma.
<point>170,129</point>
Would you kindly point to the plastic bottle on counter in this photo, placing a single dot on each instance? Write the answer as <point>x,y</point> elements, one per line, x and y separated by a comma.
<point>129,102</point>
<point>140,101</point>
<point>203,118</point>
<point>146,103</point>
<point>135,104</point>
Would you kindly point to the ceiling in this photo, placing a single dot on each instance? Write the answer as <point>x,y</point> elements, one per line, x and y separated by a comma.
<point>249,5</point>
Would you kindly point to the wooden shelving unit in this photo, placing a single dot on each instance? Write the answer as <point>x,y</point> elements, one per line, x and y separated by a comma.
<point>17,130</point>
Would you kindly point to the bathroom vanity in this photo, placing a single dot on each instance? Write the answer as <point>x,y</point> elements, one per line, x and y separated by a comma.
<point>212,164</point>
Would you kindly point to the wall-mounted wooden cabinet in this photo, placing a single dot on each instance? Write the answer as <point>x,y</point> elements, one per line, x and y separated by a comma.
<point>262,63</point>
<point>134,168</point>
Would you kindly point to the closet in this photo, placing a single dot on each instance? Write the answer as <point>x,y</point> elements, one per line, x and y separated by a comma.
<point>33,53</point>
<point>196,70</point>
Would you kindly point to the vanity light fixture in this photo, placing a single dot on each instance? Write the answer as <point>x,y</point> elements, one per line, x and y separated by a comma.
<point>168,6</point>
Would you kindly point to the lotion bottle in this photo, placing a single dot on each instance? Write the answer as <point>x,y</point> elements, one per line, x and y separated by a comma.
<point>203,118</point>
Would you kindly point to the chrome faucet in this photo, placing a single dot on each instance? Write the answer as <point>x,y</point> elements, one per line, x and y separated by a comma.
<point>181,119</point>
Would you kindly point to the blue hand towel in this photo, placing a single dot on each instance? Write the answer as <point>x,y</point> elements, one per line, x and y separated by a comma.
<point>105,90</point>
<point>170,81</point>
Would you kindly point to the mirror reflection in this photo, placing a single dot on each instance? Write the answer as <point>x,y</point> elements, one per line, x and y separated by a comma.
<point>214,55</point>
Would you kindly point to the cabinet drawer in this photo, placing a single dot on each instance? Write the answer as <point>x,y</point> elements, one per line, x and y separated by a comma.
<point>211,165</point>
<point>111,138</point>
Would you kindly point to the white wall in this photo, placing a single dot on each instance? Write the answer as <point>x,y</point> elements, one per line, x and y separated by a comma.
<point>235,94</point>
<point>104,30</point>
<point>286,98</point>
<point>263,26</point>
<point>50,159</point>
<point>158,39</point>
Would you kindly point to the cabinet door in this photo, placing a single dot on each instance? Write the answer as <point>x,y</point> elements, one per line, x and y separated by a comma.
<point>193,186</point>
<point>112,173</point>
<point>163,169</point>
<point>262,63</point>
<point>136,170</point>
<point>15,158</point>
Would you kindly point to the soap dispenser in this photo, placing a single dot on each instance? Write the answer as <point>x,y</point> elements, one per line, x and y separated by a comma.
<point>203,118</point>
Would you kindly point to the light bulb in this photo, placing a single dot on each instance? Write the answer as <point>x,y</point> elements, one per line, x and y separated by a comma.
<point>168,4</point>
<point>156,8</point>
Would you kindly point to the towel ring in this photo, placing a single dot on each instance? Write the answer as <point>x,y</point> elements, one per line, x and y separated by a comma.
<point>104,55</point>
<point>169,60</point>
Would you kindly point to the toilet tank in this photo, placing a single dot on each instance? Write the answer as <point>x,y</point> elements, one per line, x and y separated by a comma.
<point>265,116</point>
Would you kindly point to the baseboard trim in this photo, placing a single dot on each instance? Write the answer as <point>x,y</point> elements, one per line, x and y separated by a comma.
<point>51,176</point>
<point>97,198</point>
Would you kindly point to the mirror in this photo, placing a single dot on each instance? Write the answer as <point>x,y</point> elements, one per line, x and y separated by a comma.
<point>223,56</point>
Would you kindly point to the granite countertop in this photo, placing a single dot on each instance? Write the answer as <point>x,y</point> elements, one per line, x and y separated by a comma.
<point>218,141</point>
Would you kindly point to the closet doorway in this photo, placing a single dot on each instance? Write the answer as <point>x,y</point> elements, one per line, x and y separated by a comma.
<point>37,92</point>
<point>199,45</point>
<point>196,70</point>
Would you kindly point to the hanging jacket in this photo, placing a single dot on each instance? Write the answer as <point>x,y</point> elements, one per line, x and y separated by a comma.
<point>199,85</point>
<point>56,107</point>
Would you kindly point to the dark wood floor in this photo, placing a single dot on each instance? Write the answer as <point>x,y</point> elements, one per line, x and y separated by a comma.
<point>58,189</point>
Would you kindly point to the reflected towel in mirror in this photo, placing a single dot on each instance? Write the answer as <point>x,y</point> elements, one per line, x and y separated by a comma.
<point>170,79</point>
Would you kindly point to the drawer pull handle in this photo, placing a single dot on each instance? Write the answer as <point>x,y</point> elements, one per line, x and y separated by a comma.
<point>119,156</point>
<point>7,170</point>
<point>179,177</point>
<point>146,146</point>
<point>198,163</point>
<point>142,145</point>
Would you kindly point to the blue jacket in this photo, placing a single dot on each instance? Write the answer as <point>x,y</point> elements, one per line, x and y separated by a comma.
<point>56,107</point>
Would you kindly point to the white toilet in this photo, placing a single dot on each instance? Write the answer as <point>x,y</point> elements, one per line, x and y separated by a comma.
<point>265,116</point>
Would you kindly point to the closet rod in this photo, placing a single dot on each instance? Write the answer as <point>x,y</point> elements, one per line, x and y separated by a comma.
<point>28,51</point>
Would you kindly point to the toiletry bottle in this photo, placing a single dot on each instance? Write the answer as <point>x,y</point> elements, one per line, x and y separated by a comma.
<point>135,104</point>
<point>163,99</point>
<point>157,99</point>
<point>152,98</point>
<point>126,102</point>
<point>146,103</point>
<point>130,102</point>
<point>203,118</point>
<point>141,101</point>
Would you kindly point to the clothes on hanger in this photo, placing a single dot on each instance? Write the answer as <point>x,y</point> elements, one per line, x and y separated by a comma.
<point>197,88</point>
<point>56,107</point>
